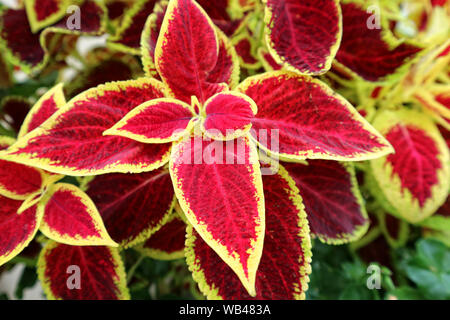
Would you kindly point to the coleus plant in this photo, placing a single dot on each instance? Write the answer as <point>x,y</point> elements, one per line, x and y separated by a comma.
<point>238,220</point>
<point>33,200</point>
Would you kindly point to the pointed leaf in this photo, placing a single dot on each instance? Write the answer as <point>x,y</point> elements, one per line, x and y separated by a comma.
<point>285,262</point>
<point>222,198</point>
<point>302,118</point>
<point>128,35</point>
<point>18,181</point>
<point>333,202</point>
<point>100,269</point>
<point>187,51</point>
<point>44,13</point>
<point>70,217</point>
<point>133,206</point>
<point>415,180</point>
<point>72,142</point>
<point>228,115</point>
<point>304,35</point>
<point>371,53</point>
<point>150,36</point>
<point>168,242</point>
<point>16,230</point>
<point>46,106</point>
<point>156,121</point>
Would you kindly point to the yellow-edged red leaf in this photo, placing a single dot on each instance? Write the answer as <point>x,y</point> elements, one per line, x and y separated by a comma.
<point>333,202</point>
<point>219,188</point>
<point>302,118</point>
<point>133,206</point>
<point>303,35</point>
<point>16,230</point>
<point>285,263</point>
<point>82,273</point>
<point>187,51</point>
<point>156,121</point>
<point>72,142</point>
<point>70,216</point>
<point>415,180</point>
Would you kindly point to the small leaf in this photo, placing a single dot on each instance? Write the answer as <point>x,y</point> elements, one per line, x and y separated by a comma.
<point>156,121</point>
<point>70,217</point>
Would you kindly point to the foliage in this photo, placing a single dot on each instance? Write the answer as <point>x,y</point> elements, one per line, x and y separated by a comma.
<point>226,149</point>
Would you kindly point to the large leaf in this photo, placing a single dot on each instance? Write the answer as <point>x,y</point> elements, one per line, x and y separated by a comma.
<point>16,230</point>
<point>415,180</point>
<point>187,51</point>
<point>302,118</point>
<point>219,188</point>
<point>70,216</point>
<point>133,206</point>
<point>285,262</point>
<point>72,141</point>
<point>304,35</point>
<point>371,53</point>
<point>333,202</point>
<point>82,273</point>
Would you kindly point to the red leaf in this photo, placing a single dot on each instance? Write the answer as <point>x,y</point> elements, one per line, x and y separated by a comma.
<point>311,121</point>
<point>100,270</point>
<point>156,121</point>
<point>370,53</point>
<point>43,13</point>
<point>21,45</point>
<point>16,230</point>
<point>168,242</point>
<point>304,35</point>
<point>415,180</point>
<point>128,35</point>
<point>72,141</point>
<point>218,11</point>
<point>133,206</point>
<point>222,198</point>
<point>46,106</point>
<point>18,181</point>
<point>228,115</point>
<point>333,203</point>
<point>70,216</point>
<point>187,51</point>
<point>285,262</point>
